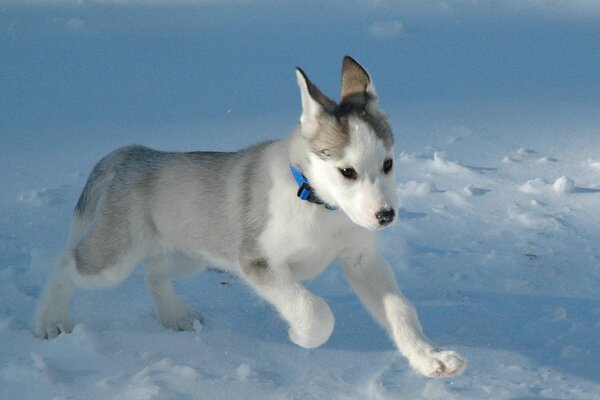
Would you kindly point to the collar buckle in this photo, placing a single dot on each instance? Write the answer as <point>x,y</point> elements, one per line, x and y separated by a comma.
<point>306,192</point>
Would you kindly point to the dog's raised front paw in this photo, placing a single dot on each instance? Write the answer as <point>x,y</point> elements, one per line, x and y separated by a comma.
<point>314,329</point>
<point>436,364</point>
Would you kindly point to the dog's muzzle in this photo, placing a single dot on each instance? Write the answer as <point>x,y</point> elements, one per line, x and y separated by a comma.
<point>385,216</point>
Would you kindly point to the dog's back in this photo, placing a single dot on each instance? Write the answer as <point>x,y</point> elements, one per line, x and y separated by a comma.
<point>125,162</point>
<point>203,204</point>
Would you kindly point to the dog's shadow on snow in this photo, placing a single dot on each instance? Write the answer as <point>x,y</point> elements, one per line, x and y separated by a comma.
<point>555,333</point>
<point>355,330</point>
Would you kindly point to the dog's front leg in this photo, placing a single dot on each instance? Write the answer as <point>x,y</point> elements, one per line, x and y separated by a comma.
<point>373,281</point>
<point>309,317</point>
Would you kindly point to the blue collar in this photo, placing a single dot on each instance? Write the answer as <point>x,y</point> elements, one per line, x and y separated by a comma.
<point>305,191</point>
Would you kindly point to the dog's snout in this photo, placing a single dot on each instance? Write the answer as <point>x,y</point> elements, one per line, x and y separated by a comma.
<point>385,216</point>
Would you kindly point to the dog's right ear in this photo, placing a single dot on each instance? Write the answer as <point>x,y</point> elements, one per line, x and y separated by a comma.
<point>314,104</point>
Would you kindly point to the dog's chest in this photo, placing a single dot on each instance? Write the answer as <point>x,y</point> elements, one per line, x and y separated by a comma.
<point>310,263</point>
<point>305,245</point>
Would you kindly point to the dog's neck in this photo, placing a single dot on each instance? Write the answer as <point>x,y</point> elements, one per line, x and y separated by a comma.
<point>305,191</point>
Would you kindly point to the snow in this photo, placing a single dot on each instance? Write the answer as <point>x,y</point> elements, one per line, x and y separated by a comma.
<point>494,108</point>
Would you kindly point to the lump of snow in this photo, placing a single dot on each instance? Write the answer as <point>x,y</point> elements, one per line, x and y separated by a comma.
<point>534,186</point>
<point>560,314</point>
<point>244,372</point>
<point>440,164</point>
<point>594,164</point>
<point>570,352</point>
<point>564,185</point>
<point>44,197</point>
<point>439,159</point>
<point>417,188</point>
<point>197,325</point>
<point>519,155</point>
<point>471,190</point>
<point>524,152</point>
<point>531,220</point>
<point>34,198</point>
<point>406,157</point>
<point>163,378</point>
<point>81,337</point>
<point>537,204</point>
<point>38,361</point>
<point>40,365</point>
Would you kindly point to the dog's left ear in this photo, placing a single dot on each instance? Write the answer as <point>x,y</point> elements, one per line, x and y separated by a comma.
<point>357,86</point>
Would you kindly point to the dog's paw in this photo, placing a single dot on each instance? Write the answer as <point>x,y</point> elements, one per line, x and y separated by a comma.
<point>186,322</point>
<point>315,328</point>
<point>51,329</point>
<point>437,364</point>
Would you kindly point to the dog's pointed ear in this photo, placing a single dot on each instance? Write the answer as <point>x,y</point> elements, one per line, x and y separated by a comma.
<point>314,103</point>
<point>356,83</point>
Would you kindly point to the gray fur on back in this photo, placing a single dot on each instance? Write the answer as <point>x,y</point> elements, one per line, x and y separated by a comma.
<point>136,186</point>
<point>134,164</point>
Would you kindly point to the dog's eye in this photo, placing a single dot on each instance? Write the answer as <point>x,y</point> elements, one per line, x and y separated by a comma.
<point>387,165</point>
<point>348,173</point>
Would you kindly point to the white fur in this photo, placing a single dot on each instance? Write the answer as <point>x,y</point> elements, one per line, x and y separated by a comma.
<point>310,108</point>
<point>372,191</point>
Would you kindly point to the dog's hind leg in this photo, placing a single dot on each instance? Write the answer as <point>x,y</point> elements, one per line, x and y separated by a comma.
<point>100,253</point>
<point>160,270</point>
<point>52,314</point>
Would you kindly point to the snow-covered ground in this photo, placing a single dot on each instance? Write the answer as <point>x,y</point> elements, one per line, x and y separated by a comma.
<point>495,107</point>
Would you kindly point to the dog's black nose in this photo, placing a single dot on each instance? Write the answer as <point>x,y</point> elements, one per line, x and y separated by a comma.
<point>385,216</point>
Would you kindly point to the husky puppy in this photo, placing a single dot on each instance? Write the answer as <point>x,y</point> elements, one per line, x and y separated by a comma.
<point>275,214</point>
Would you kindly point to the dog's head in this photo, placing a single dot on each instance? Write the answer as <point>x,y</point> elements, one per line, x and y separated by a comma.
<point>350,148</point>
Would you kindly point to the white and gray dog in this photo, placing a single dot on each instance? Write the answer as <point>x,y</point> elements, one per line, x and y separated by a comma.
<point>275,214</point>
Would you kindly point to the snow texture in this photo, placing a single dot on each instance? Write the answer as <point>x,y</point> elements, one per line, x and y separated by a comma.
<point>495,111</point>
